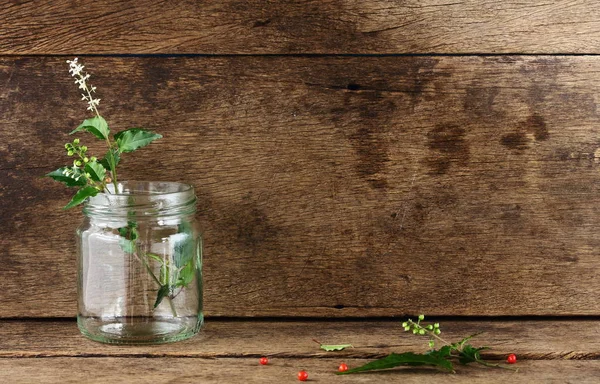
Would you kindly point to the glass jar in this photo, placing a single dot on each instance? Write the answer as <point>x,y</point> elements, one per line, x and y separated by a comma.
<point>140,265</point>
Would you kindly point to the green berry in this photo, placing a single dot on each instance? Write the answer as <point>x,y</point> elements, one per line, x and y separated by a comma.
<point>421,331</point>
<point>415,330</point>
<point>431,343</point>
<point>436,325</point>
<point>85,159</point>
<point>88,175</point>
<point>430,327</point>
<point>70,153</point>
<point>76,141</point>
<point>405,324</point>
<point>421,317</point>
<point>93,159</point>
<point>437,331</point>
<point>407,328</point>
<point>78,163</point>
<point>67,145</point>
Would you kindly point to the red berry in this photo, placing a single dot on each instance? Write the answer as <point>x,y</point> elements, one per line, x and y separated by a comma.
<point>511,359</point>
<point>302,375</point>
<point>263,361</point>
<point>343,367</point>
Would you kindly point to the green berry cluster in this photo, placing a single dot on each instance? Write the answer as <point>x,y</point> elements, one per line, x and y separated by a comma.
<point>74,149</point>
<point>431,330</point>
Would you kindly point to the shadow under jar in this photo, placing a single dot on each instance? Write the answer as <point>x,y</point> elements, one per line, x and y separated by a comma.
<point>140,265</point>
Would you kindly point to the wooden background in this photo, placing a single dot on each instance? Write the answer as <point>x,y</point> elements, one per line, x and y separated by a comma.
<point>351,158</point>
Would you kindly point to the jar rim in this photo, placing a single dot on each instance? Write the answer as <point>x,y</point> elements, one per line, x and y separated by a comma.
<point>182,187</point>
<point>143,198</point>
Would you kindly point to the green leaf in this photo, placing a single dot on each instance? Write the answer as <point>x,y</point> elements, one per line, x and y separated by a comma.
<point>81,195</point>
<point>459,345</point>
<point>183,245</point>
<point>186,275</point>
<point>129,235</point>
<point>96,170</point>
<point>339,347</point>
<point>96,126</point>
<point>131,139</point>
<point>68,180</point>
<point>162,293</point>
<point>164,274</point>
<point>443,352</point>
<point>155,257</point>
<point>128,246</point>
<point>470,354</point>
<point>106,162</point>
<point>408,358</point>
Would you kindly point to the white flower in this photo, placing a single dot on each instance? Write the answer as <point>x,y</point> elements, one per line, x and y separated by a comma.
<point>81,78</point>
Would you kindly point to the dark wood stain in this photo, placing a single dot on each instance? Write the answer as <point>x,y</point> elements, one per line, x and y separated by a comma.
<point>515,140</point>
<point>536,125</point>
<point>448,145</point>
<point>261,23</point>
<point>372,153</point>
<point>480,101</point>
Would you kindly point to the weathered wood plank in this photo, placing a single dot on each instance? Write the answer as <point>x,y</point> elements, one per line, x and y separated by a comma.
<point>334,26</point>
<point>535,340</point>
<point>330,186</point>
<point>245,370</point>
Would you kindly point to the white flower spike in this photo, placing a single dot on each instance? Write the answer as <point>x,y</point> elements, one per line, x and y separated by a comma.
<point>81,78</point>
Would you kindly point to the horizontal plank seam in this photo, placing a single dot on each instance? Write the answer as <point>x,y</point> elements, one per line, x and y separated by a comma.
<point>566,355</point>
<point>310,55</point>
<point>492,318</point>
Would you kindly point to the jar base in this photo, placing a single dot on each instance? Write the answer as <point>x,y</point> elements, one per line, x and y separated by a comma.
<point>139,330</point>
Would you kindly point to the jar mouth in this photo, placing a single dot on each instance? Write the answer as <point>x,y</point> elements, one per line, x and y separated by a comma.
<point>143,198</point>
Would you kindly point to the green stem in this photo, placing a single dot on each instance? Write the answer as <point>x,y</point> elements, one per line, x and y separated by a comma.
<point>430,333</point>
<point>113,170</point>
<point>111,158</point>
<point>151,273</point>
<point>485,363</point>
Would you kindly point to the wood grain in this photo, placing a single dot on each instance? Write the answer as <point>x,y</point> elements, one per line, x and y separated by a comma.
<point>531,340</point>
<point>169,370</point>
<point>284,27</point>
<point>371,186</point>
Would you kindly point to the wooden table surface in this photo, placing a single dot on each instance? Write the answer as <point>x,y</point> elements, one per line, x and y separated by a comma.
<point>227,351</point>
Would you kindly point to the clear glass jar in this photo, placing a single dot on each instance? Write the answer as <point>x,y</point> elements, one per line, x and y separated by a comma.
<point>140,265</point>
